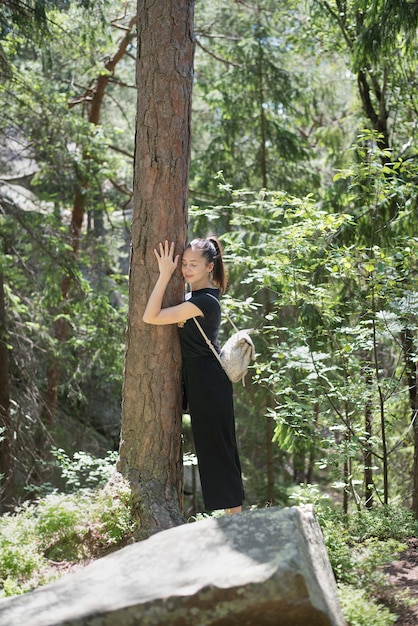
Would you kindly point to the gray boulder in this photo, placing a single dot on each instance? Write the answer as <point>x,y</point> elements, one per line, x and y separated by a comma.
<point>262,567</point>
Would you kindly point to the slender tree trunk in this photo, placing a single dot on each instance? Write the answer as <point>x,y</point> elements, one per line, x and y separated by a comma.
<point>415,471</point>
<point>262,114</point>
<point>61,326</point>
<point>411,368</point>
<point>268,308</point>
<point>370,91</point>
<point>312,449</point>
<point>346,475</point>
<point>384,444</point>
<point>7,485</point>
<point>299,462</point>
<point>270,464</point>
<point>150,448</point>
<point>367,456</point>
<point>103,80</point>
<point>311,465</point>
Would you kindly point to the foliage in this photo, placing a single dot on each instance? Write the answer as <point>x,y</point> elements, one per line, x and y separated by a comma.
<point>359,545</point>
<point>336,303</point>
<point>249,102</point>
<point>24,16</point>
<point>83,471</point>
<point>62,529</point>
<point>56,161</point>
<point>359,610</point>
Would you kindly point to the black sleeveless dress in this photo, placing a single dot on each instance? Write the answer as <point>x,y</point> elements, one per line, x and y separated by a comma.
<point>210,400</point>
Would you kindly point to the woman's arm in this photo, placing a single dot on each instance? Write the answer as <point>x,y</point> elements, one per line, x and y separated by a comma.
<point>153,313</point>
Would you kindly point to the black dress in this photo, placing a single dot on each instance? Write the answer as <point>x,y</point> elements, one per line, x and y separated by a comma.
<point>210,401</point>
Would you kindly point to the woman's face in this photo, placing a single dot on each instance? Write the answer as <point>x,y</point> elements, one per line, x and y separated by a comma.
<point>195,269</point>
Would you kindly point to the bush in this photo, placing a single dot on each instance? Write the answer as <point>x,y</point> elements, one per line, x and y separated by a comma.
<point>359,610</point>
<point>21,560</point>
<point>62,528</point>
<point>358,547</point>
<point>84,471</point>
<point>387,522</point>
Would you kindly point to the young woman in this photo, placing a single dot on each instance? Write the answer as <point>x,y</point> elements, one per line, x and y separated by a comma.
<point>208,389</point>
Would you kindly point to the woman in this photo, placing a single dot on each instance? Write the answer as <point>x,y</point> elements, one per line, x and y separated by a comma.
<point>208,389</point>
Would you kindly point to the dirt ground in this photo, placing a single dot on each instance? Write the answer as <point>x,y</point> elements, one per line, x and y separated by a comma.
<point>403,574</point>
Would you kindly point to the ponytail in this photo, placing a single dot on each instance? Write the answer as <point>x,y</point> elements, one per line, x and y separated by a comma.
<point>211,249</point>
<point>219,271</point>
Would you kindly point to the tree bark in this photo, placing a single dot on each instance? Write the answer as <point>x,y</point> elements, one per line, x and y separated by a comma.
<point>150,448</point>
<point>368,458</point>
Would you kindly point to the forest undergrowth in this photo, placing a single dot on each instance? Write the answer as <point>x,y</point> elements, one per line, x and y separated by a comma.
<point>63,531</point>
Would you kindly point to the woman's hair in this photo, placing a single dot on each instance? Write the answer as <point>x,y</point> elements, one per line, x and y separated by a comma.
<point>211,249</point>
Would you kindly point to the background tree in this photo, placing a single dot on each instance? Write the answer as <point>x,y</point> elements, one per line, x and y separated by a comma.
<point>150,450</point>
<point>93,101</point>
<point>7,488</point>
<point>46,148</point>
<point>378,43</point>
<point>249,95</point>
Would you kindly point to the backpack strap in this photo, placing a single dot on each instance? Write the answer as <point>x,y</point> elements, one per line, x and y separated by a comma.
<point>208,341</point>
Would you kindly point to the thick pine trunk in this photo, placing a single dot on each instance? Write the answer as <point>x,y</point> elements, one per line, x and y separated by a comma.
<point>150,449</point>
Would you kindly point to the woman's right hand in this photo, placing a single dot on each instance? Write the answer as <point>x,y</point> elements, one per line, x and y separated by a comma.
<point>154,313</point>
<point>167,263</point>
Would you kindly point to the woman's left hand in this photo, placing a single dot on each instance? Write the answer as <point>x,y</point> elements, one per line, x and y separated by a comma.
<point>167,262</point>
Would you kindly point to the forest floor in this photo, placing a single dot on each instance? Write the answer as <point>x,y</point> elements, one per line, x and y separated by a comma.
<point>403,574</point>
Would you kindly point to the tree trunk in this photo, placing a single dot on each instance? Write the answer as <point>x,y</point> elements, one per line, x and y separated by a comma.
<point>299,462</point>
<point>262,114</point>
<point>367,455</point>
<point>377,115</point>
<point>313,448</point>
<point>411,371</point>
<point>269,455</point>
<point>7,490</point>
<point>346,486</point>
<point>150,449</point>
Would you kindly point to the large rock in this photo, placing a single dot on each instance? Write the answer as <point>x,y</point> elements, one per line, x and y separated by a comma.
<point>257,568</point>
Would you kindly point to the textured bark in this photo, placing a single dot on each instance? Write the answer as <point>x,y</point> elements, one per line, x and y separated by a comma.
<point>150,449</point>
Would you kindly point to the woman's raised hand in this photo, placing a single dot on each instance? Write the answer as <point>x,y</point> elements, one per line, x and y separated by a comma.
<point>167,262</point>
